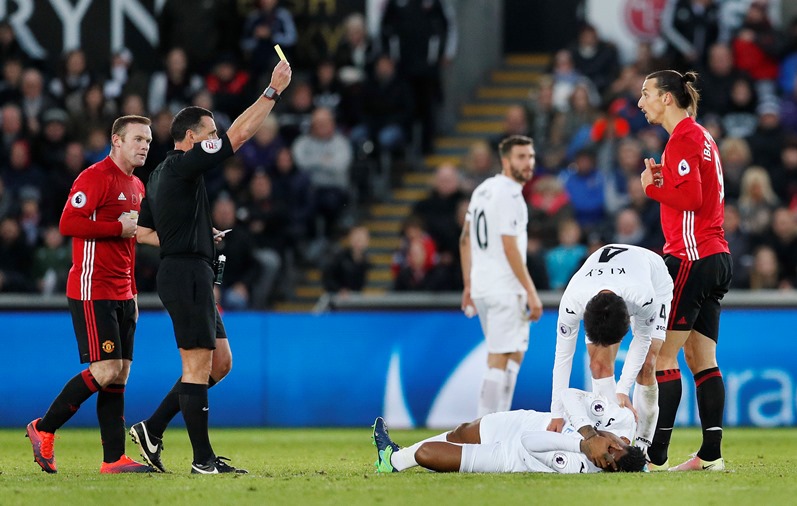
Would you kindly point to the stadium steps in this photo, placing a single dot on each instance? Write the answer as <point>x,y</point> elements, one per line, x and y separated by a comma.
<point>481,118</point>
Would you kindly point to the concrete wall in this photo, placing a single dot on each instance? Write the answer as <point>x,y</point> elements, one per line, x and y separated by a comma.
<point>480,49</point>
<point>789,11</point>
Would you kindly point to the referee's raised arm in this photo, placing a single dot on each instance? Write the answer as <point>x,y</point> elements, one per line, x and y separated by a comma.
<point>245,125</point>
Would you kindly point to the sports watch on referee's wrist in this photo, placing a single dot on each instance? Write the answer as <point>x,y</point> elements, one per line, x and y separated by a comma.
<point>271,93</point>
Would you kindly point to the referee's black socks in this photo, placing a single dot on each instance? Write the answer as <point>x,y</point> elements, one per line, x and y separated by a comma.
<point>168,409</point>
<point>194,405</point>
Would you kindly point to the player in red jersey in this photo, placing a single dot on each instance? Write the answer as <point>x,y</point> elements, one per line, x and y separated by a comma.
<point>100,216</point>
<point>689,185</point>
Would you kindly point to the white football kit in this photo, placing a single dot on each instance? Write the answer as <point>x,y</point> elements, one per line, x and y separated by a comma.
<point>517,441</point>
<point>496,209</point>
<point>640,277</point>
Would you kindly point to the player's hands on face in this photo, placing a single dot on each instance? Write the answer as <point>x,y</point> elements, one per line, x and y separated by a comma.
<point>535,306</point>
<point>556,425</point>
<point>596,449</point>
<point>625,402</point>
<point>129,226</point>
<point>652,174</point>
<point>616,444</point>
<point>281,76</point>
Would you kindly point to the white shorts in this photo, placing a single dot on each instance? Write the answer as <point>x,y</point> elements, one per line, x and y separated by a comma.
<point>504,323</point>
<point>501,449</point>
<point>509,425</point>
<point>501,457</point>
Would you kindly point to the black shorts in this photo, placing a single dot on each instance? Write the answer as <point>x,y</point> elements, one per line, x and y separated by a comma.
<point>104,329</point>
<point>221,332</point>
<point>185,286</point>
<point>699,287</point>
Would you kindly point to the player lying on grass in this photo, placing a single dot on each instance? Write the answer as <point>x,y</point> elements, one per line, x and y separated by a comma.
<point>517,442</point>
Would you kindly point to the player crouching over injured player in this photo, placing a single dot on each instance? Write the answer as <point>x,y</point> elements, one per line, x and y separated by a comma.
<point>517,442</point>
<point>617,286</point>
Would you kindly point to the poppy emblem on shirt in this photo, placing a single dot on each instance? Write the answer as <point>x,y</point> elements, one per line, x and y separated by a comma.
<point>108,346</point>
<point>211,145</point>
<point>559,460</point>
<point>683,168</point>
<point>78,200</point>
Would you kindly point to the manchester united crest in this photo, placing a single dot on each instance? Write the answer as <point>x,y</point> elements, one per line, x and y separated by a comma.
<point>108,346</point>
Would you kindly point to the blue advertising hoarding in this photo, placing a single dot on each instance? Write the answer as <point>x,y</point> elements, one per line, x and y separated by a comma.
<point>416,368</point>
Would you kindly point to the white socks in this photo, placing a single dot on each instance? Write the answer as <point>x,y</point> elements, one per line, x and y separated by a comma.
<point>606,387</point>
<point>492,391</point>
<point>498,389</point>
<point>510,380</point>
<point>646,403</point>
<point>405,458</point>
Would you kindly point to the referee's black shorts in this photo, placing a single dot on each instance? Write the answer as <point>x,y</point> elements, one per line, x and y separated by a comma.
<point>698,288</point>
<point>185,286</point>
<point>105,329</point>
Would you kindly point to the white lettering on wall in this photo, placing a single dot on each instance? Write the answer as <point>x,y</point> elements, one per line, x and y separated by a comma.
<point>19,22</point>
<point>138,15</point>
<point>782,395</point>
<point>71,17</point>
<point>733,384</point>
<point>757,397</point>
<point>71,13</point>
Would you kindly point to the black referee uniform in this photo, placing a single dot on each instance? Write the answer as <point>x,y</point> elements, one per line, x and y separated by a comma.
<point>177,207</point>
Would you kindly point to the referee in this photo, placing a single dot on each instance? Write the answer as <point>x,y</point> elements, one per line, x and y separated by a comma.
<point>178,210</point>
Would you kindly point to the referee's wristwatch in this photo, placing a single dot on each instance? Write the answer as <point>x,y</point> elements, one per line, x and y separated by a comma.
<point>271,93</point>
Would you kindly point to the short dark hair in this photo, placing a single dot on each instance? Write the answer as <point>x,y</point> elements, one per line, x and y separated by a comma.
<point>187,119</point>
<point>680,85</point>
<point>633,461</point>
<point>606,319</point>
<point>510,142</point>
<point>120,125</point>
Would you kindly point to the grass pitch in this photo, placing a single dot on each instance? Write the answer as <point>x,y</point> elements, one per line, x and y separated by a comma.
<point>335,466</point>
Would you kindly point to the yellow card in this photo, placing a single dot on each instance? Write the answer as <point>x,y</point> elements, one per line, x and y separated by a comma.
<point>278,49</point>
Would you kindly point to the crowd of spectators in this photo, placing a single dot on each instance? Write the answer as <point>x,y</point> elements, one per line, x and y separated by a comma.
<point>291,193</point>
<point>591,139</point>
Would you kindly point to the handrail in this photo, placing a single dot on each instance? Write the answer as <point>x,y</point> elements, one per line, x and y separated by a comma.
<point>37,302</point>
<point>550,300</point>
<point>396,301</point>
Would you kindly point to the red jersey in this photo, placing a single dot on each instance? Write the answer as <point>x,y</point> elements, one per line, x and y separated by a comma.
<point>102,261</point>
<point>693,231</point>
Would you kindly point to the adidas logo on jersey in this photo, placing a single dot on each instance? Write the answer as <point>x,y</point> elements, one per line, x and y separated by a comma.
<point>681,321</point>
<point>121,197</point>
